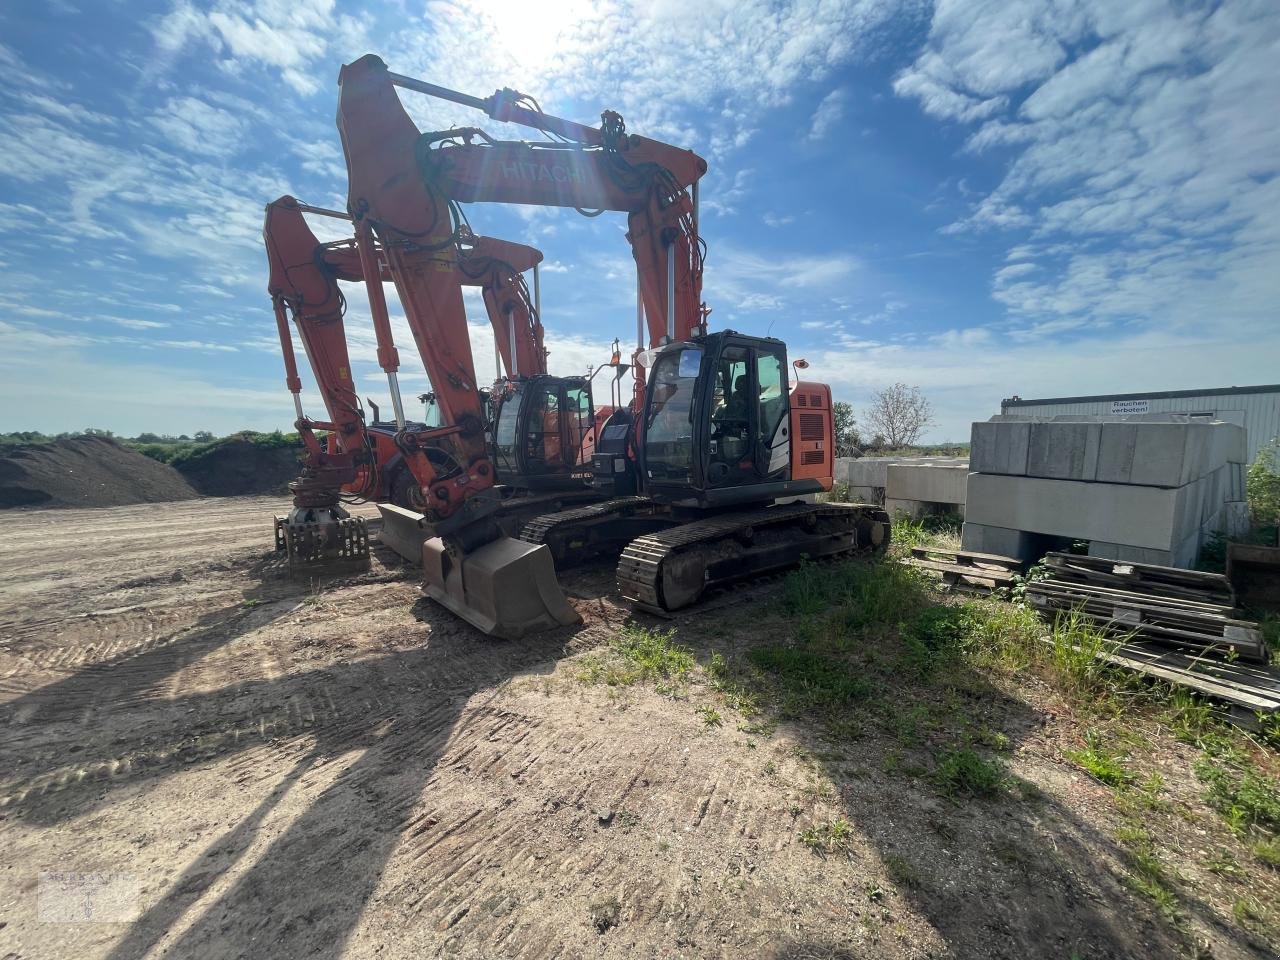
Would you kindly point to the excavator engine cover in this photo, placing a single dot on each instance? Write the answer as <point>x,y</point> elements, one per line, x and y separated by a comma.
<point>506,588</point>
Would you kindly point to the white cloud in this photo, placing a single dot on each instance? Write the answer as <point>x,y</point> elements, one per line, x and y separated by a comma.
<point>829,112</point>
<point>1143,166</point>
<point>759,301</point>
<point>199,127</point>
<point>204,345</point>
<point>132,323</point>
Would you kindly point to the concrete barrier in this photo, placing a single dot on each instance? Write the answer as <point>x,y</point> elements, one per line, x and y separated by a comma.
<point>1148,524</point>
<point>1165,450</point>
<point>917,489</point>
<point>868,477</point>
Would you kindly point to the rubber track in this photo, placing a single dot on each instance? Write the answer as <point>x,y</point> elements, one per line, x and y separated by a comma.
<point>539,528</point>
<point>640,566</point>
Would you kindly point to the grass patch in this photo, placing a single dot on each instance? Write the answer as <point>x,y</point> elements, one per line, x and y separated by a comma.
<point>1074,646</point>
<point>935,638</point>
<point>639,655</point>
<point>1147,875</point>
<point>710,716</point>
<point>1267,851</point>
<point>1245,798</point>
<point>964,772</point>
<point>1100,762</point>
<point>834,836</point>
<point>605,913</point>
<point>810,680</point>
<point>927,531</point>
<point>903,873</point>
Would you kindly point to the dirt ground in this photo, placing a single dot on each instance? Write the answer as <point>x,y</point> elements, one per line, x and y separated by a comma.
<point>342,769</point>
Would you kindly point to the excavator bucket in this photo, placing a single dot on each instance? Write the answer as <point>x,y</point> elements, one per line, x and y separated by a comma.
<point>403,531</point>
<point>506,588</point>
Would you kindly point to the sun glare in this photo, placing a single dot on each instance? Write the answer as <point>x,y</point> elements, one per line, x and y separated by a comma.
<point>531,33</point>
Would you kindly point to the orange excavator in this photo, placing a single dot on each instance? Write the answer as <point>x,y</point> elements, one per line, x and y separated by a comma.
<point>363,458</point>
<point>718,455</point>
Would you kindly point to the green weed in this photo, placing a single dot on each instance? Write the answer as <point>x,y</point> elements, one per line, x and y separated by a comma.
<point>811,680</point>
<point>903,873</point>
<point>1267,851</point>
<point>1244,797</point>
<point>639,655</point>
<point>1100,762</point>
<point>834,836</point>
<point>963,772</point>
<point>710,716</point>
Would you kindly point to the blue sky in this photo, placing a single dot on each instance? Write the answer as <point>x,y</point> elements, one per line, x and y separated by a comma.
<point>1029,197</point>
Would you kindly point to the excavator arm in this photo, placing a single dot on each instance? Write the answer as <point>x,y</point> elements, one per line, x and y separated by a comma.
<point>497,267</point>
<point>303,286</point>
<point>392,165</point>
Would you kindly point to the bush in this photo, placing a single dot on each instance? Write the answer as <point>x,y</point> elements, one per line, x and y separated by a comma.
<point>1262,485</point>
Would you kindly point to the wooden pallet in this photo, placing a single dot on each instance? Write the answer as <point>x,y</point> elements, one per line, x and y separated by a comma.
<point>1170,620</point>
<point>966,570</point>
<point>1244,686</point>
<point>1212,588</point>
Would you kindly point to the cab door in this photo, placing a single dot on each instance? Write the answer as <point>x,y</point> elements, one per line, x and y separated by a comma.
<point>749,436</point>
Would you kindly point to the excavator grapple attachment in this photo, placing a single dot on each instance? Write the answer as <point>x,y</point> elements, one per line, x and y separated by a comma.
<point>506,588</point>
<point>325,540</point>
<point>403,531</point>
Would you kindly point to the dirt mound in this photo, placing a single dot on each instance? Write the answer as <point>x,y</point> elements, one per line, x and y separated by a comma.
<point>237,466</point>
<point>86,472</point>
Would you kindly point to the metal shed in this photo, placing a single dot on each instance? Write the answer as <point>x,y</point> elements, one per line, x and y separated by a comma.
<point>1257,409</point>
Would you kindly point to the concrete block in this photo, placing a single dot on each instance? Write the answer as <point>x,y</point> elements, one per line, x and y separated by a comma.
<point>928,483</point>
<point>872,473</point>
<point>915,509</point>
<point>1235,519</point>
<point>1064,450</point>
<point>869,471</point>
<point>1112,513</point>
<point>1000,446</point>
<point>1000,541</point>
<point>866,494</point>
<point>1165,454</point>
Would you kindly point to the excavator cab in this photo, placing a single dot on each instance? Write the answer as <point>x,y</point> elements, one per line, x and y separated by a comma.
<point>543,430</point>
<point>717,423</point>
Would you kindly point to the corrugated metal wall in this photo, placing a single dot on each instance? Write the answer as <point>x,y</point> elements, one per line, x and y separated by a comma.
<point>1258,412</point>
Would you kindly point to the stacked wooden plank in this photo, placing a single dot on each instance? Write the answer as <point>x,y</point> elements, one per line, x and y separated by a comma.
<point>1211,588</point>
<point>965,569</point>
<point>1183,608</point>
<point>1252,689</point>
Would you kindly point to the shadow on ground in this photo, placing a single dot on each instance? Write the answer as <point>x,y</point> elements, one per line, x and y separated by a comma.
<point>394,712</point>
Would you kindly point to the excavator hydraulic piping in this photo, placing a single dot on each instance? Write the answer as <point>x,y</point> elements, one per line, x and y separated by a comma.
<point>444,93</point>
<point>324,212</point>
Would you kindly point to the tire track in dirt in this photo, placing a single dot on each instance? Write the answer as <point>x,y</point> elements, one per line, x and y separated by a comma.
<point>470,809</point>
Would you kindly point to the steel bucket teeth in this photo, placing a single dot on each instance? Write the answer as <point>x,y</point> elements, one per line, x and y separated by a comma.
<point>506,588</point>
